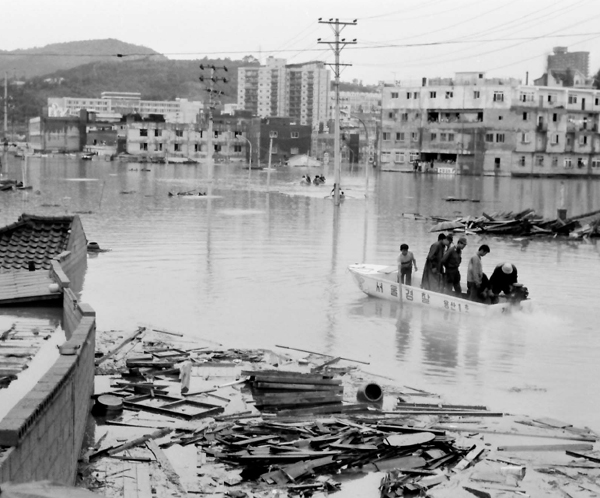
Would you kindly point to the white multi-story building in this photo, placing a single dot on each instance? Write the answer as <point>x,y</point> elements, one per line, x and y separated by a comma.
<point>277,89</point>
<point>478,125</point>
<point>115,104</point>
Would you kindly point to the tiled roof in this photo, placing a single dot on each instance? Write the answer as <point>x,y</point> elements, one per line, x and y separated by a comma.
<point>33,238</point>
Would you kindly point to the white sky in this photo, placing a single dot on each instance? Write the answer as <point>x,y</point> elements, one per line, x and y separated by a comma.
<point>504,38</point>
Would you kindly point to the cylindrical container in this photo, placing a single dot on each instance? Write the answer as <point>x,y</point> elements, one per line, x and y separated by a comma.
<point>370,393</point>
<point>108,404</point>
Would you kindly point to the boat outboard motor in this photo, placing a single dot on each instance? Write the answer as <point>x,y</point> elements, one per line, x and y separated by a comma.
<point>518,294</point>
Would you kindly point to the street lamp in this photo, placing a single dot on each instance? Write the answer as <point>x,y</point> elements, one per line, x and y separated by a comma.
<point>366,155</point>
<point>250,162</point>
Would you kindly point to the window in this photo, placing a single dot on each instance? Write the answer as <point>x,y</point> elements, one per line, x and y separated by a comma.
<point>158,147</point>
<point>554,162</point>
<point>572,99</point>
<point>400,136</point>
<point>179,133</point>
<point>522,161</point>
<point>390,115</point>
<point>385,157</point>
<point>450,137</point>
<point>386,135</point>
<point>197,148</point>
<point>525,116</point>
<point>397,137</point>
<point>394,95</point>
<point>554,140</point>
<point>399,157</point>
<point>443,137</point>
<point>449,95</point>
<point>597,101</point>
<point>404,116</point>
<point>432,95</point>
<point>217,148</point>
<point>414,156</point>
<point>568,163</point>
<point>526,97</point>
<point>143,146</point>
<point>583,140</point>
<point>408,94</point>
<point>539,160</point>
<point>498,96</point>
<point>177,147</point>
<point>414,136</point>
<point>157,133</point>
<point>580,162</point>
<point>143,132</point>
<point>237,148</point>
<point>595,163</point>
<point>216,134</point>
<point>525,138</point>
<point>554,117</point>
<point>273,134</point>
<point>433,137</point>
<point>237,134</point>
<point>476,94</point>
<point>294,151</point>
<point>415,95</point>
<point>489,137</point>
<point>499,137</point>
<point>551,98</point>
<point>295,134</point>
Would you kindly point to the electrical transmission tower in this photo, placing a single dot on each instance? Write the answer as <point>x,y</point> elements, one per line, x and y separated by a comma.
<point>337,46</point>
<point>213,94</point>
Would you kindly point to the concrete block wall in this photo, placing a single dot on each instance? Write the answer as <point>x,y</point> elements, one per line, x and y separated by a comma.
<point>43,434</point>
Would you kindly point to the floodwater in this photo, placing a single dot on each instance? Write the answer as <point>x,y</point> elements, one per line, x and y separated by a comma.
<point>263,262</point>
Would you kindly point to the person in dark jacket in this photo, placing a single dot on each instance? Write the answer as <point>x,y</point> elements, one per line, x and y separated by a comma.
<point>451,263</point>
<point>503,278</point>
<point>432,269</point>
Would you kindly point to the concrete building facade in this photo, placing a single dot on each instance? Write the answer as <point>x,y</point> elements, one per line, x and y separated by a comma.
<point>475,125</point>
<point>562,60</point>
<point>122,103</point>
<point>277,89</point>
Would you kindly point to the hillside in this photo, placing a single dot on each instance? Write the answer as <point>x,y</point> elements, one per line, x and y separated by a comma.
<point>39,61</point>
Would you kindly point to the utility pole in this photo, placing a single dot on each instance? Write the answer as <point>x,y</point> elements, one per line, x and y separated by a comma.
<point>5,105</point>
<point>212,102</point>
<point>337,45</point>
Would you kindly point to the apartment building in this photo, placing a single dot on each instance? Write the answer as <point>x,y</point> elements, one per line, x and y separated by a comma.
<point>477,125</point>
<point>562,60</point>
<point>277,89</point>
<point>114,105</point>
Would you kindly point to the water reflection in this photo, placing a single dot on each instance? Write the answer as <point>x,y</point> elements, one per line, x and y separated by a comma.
<point>263,261</point>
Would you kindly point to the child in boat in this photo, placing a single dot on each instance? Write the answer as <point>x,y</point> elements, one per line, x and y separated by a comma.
<point>406,261</point>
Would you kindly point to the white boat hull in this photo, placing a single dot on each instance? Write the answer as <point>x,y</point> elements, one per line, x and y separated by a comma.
<point>381,281</point>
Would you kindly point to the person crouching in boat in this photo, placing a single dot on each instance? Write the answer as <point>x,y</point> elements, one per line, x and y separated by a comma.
<point>451,262</point>
<point>503,280</point>
<point>475,288</point>
<point>433,264</point>
<point>406,261</point>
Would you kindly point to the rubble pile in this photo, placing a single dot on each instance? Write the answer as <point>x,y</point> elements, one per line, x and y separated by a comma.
<point>176,419</point>
<point>523,223</point>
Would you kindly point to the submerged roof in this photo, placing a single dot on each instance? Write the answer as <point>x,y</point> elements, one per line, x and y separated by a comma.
<point>33,238</point>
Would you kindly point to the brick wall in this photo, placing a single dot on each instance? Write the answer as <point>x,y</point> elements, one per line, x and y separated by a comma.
<point>41,437</point>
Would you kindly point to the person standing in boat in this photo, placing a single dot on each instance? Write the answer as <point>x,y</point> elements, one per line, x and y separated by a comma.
<point>451,262</point>
<point>433,265</point>
<point>475,274</point>
<point>406,261</point>
<point>503,279</point>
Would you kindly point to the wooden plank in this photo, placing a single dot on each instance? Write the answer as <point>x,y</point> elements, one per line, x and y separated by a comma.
<point>549,447</point>
<point>472,430</point>
<point>166,466</point>
<point>293,387</point>
<point>297,380</point>
<point>592,457</point>
<point>132,337</point>
<point>136,482</point>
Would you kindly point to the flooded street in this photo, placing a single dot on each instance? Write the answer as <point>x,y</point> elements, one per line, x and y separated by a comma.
<point>263,262</point>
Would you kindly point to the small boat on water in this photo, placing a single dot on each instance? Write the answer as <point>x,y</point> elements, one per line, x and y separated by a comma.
<point>382,281</point>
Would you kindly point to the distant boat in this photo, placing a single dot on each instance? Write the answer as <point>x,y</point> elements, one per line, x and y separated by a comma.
<point>304,160</point>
